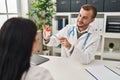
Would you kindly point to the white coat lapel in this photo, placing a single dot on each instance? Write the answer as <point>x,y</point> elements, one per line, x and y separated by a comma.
<point>73,38</point>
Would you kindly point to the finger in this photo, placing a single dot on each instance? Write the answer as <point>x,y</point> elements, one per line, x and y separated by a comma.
<point>60,37</point>
<point>61,41</point>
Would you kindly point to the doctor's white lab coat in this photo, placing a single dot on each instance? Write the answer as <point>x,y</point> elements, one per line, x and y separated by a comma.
<point>84,54</point>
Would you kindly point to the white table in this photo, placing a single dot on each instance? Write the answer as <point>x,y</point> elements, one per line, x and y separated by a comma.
<point>68,69</point>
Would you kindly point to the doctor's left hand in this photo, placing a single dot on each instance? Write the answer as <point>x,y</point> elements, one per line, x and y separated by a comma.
<point>65,42</point>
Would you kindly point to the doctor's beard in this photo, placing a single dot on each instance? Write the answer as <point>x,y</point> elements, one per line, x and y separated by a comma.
<point>80,25</point>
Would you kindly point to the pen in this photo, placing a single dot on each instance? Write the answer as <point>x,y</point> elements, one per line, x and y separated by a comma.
<point>112,70</point>
<point>91,74</point>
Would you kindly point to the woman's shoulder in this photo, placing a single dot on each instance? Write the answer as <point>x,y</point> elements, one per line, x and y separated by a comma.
<point>37,73</point>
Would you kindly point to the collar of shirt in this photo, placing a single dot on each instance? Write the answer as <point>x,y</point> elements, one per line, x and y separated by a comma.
<point>79,34</point>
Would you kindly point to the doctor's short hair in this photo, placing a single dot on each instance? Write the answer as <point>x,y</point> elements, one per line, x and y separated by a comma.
<point>89,7</point>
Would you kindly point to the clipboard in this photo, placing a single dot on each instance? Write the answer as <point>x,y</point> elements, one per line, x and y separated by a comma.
<point>103,73</point>
<point>37,59</point>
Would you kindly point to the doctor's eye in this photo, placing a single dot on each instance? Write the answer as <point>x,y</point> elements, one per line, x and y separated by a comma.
<point>79,15</point>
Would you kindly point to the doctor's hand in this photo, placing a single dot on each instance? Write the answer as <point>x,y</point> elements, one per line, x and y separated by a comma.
<point>46,32</point>
<point>65,42</point>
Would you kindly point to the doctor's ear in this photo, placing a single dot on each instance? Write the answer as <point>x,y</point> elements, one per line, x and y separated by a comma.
<point>92,19</point>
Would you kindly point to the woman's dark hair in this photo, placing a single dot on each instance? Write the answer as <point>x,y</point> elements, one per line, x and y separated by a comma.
<point>16,40</point>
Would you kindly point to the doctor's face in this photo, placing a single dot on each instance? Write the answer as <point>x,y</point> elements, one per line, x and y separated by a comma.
<point>84,18</point>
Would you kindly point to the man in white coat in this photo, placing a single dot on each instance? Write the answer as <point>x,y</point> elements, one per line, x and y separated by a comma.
<point>78,41</point>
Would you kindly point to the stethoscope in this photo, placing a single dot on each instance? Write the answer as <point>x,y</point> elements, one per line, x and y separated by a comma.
<point>72,32</point>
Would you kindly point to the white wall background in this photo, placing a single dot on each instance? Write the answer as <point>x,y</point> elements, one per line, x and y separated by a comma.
<point>24,8</point>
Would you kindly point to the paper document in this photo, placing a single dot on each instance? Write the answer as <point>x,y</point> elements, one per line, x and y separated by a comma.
<point>103,73</point>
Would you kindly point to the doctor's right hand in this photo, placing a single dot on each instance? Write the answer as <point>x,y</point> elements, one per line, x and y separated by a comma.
<point>46,32</point>
<point>64,42</point>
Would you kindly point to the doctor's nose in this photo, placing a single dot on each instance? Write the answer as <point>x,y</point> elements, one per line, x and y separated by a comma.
<point>80,19</point>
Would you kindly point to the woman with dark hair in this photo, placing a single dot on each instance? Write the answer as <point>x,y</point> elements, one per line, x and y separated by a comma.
<point>18,39</point>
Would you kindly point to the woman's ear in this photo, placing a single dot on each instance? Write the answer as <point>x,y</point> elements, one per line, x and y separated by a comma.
<point>35,43</point>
